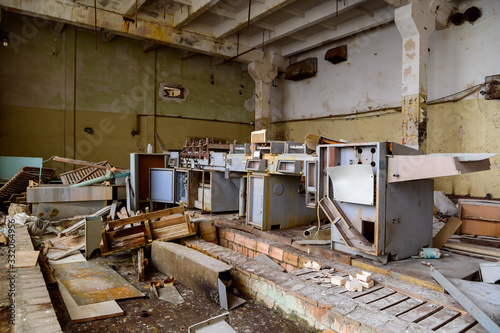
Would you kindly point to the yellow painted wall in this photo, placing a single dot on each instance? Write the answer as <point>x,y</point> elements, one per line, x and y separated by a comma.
<point>467,126</point>
<point>55,86</point>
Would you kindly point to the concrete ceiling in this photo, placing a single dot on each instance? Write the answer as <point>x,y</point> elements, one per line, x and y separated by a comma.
<point>222,28</point>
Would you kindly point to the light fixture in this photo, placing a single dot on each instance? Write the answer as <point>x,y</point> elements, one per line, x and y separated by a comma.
<point>5,40</point>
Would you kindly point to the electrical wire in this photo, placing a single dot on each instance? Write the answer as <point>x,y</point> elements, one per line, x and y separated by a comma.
<point>468,91</point>
<point>316,234</point>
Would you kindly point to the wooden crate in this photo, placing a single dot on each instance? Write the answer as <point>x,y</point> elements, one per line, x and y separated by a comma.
<point>479,217</point>
<point>140,230</point>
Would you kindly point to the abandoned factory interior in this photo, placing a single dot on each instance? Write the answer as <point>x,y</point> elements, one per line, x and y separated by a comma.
<point>250,166</point>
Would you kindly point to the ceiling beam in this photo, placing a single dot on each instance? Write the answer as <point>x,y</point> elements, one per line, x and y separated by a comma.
<point>328,25</point>
<point>364,10</point>
<point>184,2</point>
<point>397,3</point>
<point>257,12</point>
<point>264,25</point>
<point>313,16</point>
<point>107,37</point>
<point>57,28</point>
<point>349,28</point>
<point>198,7</point>
<point>218,10</point>
<point>149,45</point>
<point>299,37</point>
<point>78,15</point>
<point>129,7</point>
<point>294,11</point>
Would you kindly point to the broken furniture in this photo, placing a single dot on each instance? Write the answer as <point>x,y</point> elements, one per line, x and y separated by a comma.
<point>197,271</point>
<point>378,198</point>
<point>85,173</point>
<point>140,230</point>
<point>55,202</point>
<point>139,177</point>
<point>19,183</point>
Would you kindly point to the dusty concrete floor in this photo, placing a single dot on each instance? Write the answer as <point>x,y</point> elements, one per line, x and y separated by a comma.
<point>165,317</point>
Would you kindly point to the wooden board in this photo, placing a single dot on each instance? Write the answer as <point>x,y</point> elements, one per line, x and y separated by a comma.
<point>144,231</point>
<point>77,257</point>
<point>94,282</point>
<point>68,242</point>
<point>445,233</point>
<point>26,258</point>
<point>88,312</point>
<point>479,217</point>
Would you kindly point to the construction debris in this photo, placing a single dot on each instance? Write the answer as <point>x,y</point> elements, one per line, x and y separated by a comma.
<point>338,280</point>
<point>199,272</point>
<point>18,184</point>
<point>353,286</point>
<point>92,282</point>
<point>468,305</point>
<point>138,231</point>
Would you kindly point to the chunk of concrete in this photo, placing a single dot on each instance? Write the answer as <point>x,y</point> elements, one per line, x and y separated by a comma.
<point>338,280</point>
<point>353,286</point>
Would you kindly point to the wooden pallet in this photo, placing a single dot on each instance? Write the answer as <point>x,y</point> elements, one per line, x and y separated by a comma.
<point>85,173</point>
<point>140,230</point>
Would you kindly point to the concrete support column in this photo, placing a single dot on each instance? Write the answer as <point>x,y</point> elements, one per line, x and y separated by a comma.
<point>415,23</point>
<point>263,73</point>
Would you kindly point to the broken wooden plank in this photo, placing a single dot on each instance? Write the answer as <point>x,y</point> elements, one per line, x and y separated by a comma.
<point>69,252</point>
<point>26,258</point>
<point>144,217</point>
<point>445,233</point>
<point>89,312</point>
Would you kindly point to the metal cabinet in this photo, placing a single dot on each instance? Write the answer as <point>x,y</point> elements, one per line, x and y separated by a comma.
<point>277,202</point>
<point>391,219</point>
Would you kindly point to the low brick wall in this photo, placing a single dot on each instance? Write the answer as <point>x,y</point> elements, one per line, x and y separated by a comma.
<point>296,299</point>
<point>251,246</point>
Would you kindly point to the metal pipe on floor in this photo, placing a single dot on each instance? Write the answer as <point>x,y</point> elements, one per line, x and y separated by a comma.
<point>243,190</point>
<point>108,176</point>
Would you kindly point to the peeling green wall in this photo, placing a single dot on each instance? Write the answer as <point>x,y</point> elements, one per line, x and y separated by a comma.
<point>54,86</point>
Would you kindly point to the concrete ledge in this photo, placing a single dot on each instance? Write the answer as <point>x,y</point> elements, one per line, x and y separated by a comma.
<point>304,302</point>
<point>274,249</point>
<point>34,311</point>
